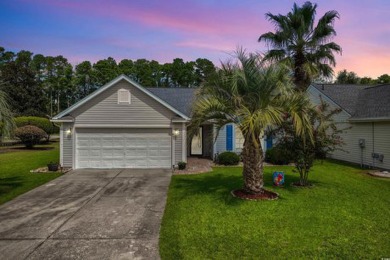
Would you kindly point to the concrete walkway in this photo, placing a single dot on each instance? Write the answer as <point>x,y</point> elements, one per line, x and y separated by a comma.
<point>87,214</point>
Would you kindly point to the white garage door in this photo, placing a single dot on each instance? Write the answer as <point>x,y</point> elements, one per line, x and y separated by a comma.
<point>121,148</point>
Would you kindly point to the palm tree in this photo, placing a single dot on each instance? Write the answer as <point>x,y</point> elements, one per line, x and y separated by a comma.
<point>6,119</point>
<point>306,49</point>
<point>253,95</point>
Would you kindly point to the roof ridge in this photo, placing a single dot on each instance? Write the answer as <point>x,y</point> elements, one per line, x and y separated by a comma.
<point>379,85</point>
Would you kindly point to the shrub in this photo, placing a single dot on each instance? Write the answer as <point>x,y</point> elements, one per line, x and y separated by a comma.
<point>182,165</point>
<point>41,122</point>
<point>30,135</point>
<point>228,158</point>
<point>277,155</point>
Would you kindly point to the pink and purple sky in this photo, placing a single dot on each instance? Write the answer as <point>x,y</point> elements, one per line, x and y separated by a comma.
<point>164,30</point>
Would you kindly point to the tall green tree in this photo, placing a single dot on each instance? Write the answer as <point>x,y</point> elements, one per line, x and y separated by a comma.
<point>26,97</point>
<point>347,77</point>
<point>7,123</point>
<point>58,83</point>
<point>367,81</point>
<point>105,71</point>
<point>83,79</point>
<point>204,69</point>
<point>383,79</point>
<point>126,67</point>
<point>253,96</point>
<point>182,73</point>
<point>147,73</point>
<point>305,47</point>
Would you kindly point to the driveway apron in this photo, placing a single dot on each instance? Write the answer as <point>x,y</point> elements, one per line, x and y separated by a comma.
<point>87,214</point>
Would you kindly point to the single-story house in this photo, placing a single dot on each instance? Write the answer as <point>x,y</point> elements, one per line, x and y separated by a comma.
<point>366,117</point>
<point>124,125</point>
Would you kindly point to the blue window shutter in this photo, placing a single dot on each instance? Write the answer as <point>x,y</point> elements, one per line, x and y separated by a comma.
<point>269,142</point>
<point>229,137</point>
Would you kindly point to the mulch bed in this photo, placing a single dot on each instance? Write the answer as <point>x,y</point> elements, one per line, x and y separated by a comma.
<point>46,170</point>
<point>264,195</point>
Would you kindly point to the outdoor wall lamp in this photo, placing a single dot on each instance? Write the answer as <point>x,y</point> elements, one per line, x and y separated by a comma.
<point>68,131</point>
<point>175,132</point>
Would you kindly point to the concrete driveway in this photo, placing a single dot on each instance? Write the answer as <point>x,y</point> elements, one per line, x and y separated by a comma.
<point>87,214</point>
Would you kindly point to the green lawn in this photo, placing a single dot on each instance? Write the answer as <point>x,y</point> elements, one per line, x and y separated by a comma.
<point>15,166</point>
<point>346,215</point>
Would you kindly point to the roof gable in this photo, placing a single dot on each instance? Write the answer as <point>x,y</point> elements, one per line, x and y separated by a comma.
<point>109,85</point>
<point>373,102</point>
<point>362,102</point>
<point>345,96</point>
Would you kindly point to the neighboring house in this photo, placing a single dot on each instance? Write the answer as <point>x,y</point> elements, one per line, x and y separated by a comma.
<point>366,115</point>
<point>124,125</point>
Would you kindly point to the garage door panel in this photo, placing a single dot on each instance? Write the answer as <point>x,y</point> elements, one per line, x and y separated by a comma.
<point>119,149</point>
<point>118,153</point>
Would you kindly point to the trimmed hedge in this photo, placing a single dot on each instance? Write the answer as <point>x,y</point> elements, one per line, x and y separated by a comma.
<point>40,122</point>
<point>228,158</point>
<point>30,135</point>
<point>277,155</point>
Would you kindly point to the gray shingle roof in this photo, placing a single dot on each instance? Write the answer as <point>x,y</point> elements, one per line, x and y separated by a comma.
<point>346,96</point>
<point>373,102</point>
<point>360,101</point>
<point>179,98</point>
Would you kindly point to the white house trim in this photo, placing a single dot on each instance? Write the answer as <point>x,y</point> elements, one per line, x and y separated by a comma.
<point>184,142</point>
<point>120,126</point>
<point>61,144</point>
<point>180,120</point>
<point>62,120</point>
<point>74,132</point>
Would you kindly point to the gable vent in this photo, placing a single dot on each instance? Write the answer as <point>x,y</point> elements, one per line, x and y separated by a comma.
<point>123,96</point>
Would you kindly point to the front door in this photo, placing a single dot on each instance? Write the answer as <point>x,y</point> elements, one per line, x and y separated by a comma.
<point>196,143</point>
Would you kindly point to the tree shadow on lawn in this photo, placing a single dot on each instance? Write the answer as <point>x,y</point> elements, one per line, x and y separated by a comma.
<point>220,186</point>
<point>44,148</point>
<point>24,149</point>
<point>217,185</point>
<point>9,184</point>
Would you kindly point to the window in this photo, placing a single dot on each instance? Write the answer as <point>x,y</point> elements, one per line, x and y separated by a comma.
<point>123,96</point>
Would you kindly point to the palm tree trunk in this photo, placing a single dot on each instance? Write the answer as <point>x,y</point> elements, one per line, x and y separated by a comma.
<point>252,157</point>
<point>300,77</point>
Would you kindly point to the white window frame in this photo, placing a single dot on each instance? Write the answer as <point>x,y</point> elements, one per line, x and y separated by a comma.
<point>128,101</point>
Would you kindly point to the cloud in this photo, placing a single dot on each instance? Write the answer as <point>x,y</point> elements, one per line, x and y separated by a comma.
<point>185,17</point>
<point>163,30</point>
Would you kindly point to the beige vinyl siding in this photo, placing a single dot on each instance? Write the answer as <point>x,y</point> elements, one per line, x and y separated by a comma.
<point>375,134</point>
<point>67,145</point>
<point>220,143</point>
<point>377,140</point>
<point>105,110</point>
<point>351,149</point>
<point>382,143</point>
